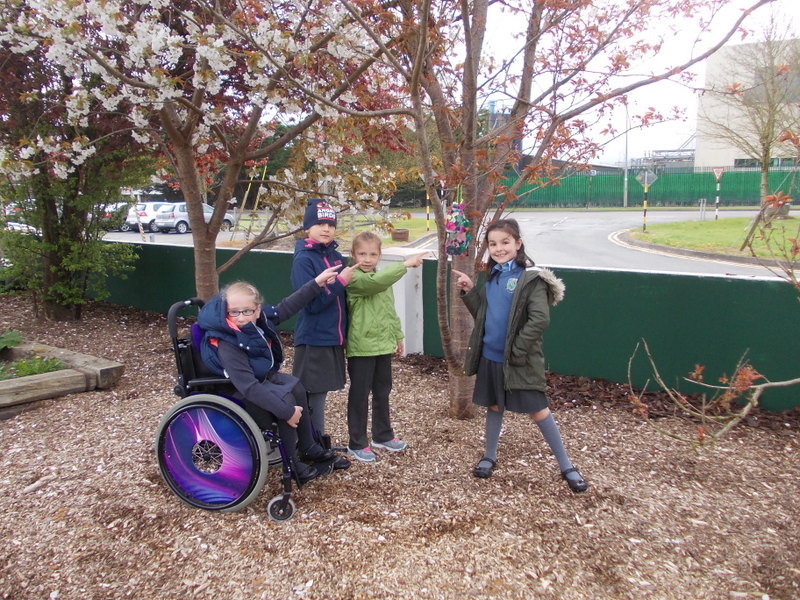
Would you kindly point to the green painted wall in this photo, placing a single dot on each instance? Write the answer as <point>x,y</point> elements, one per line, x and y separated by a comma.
<point>165,274</point>
<point>432,340</point>
<point>685,319</point>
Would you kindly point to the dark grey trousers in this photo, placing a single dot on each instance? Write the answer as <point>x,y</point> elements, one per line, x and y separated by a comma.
<point>369,374</point>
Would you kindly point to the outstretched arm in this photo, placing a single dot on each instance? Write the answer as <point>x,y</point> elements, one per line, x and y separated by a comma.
<point>293,303</point>
<point>470,295</point>
<point>303,271</point>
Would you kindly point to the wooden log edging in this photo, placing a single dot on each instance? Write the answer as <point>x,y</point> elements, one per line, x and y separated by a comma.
<point>81,373</point>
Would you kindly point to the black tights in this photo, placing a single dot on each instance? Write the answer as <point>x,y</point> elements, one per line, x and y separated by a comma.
<point>304,434</point>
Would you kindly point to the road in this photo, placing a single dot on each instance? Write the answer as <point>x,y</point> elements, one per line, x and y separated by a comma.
<point>576,238</point>
<point>585,239</point>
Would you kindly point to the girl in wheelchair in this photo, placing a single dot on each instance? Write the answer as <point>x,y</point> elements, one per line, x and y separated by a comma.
<point>241,343</point>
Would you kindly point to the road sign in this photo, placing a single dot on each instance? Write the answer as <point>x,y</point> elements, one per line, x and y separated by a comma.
<point>646,177</point>
<point>718,171</point>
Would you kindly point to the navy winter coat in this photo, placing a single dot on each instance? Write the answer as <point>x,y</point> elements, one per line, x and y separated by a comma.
<point>323,321</point>
<point>251,360</point>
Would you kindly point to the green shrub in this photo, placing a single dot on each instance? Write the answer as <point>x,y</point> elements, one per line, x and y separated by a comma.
<point>10,338</point>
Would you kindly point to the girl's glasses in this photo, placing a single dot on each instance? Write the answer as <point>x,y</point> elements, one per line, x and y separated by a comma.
<point>246,312</point>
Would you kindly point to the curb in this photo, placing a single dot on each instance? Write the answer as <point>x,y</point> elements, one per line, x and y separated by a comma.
<point>420,241</point>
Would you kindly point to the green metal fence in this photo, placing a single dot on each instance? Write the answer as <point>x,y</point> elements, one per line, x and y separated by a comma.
<point>671,188</point>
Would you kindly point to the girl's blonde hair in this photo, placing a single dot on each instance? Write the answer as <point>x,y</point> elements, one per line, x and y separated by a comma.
<point>365,237</point>
<point>241,287</point>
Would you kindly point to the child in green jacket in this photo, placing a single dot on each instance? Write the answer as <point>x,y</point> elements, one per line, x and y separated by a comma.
<point>373,335</point>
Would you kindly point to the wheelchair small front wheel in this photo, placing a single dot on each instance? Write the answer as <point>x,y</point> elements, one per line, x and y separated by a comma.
<point>280,508</point>
<point>211,453</point>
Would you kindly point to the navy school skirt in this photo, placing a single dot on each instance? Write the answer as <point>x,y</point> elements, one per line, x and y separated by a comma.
<point>490,391</point>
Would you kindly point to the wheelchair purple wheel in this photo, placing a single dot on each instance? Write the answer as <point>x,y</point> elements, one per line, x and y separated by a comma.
<point>211,453</point>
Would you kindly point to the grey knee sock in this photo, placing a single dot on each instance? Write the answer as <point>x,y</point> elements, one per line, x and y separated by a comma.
<point>552,436</point>
<point>494,423</point>
<point>316,402</point>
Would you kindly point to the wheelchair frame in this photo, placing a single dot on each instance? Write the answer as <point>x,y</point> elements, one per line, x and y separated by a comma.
<point>211,452</point>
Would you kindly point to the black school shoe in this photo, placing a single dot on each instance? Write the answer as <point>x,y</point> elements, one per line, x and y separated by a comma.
<point>304,472</point>
<point>340,463</point>
<point>576,485</point>
<point>484,472</point>
<point>318,454</point>
<point>324,456</point>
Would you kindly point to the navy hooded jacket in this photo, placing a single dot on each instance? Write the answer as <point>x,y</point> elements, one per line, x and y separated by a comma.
<point>264,352</point>
<point>251,358</point>
<point>323,321</point>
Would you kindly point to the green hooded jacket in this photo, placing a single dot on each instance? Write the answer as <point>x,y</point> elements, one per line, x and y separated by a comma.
<point>374,327</point>
<point>523,363</point>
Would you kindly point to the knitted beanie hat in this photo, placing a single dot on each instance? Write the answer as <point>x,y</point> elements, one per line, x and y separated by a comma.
<point>318,212</point>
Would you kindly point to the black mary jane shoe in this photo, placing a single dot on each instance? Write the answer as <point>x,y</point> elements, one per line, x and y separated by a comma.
<point>576,485</point>
<point>484,472</point>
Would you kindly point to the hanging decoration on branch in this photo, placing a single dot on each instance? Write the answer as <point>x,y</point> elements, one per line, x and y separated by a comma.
<point>457,226</point>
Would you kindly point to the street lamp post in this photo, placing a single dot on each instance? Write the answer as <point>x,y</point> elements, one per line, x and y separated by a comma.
<point>625,175</point>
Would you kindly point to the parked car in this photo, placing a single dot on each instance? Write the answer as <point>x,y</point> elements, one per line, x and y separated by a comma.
<point>175,216</point>
<point>10,209</point>
<point>113,214</point>
<point>144,213</point>
<point>20,227</point>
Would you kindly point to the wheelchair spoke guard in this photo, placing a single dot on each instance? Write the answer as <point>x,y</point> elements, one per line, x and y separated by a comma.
<point>211,453</point>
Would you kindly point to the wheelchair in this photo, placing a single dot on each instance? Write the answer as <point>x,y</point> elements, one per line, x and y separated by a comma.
<point>212,453</point>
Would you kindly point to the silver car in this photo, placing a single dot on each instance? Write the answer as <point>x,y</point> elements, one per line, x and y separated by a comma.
<point>144,213</point>
<point>175,216</point>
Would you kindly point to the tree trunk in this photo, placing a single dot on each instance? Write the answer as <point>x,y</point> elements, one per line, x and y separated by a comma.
<point>460,389</point>
<point>455,325</point>
<point>56,236</point>
<point>460,393</point>
<point>764,180</point>
<point>53,311</point>
<point>206,280</point>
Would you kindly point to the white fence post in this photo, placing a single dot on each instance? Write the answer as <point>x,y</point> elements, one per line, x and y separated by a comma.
<point>408,299</point>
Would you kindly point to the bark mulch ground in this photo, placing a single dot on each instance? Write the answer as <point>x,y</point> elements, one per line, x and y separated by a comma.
<point>87,516</point>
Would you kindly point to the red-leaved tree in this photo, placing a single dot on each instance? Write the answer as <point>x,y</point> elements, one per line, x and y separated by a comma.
<point>566,65</point>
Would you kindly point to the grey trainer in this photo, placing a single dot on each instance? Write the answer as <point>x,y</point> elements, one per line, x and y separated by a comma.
<point>393,445</point>
<point>364,454</point>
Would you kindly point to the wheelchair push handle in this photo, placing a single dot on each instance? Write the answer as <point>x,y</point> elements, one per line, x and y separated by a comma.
<point>172,314</point>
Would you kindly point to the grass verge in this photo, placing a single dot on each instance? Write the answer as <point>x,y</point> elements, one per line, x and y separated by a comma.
<point>723,236</point>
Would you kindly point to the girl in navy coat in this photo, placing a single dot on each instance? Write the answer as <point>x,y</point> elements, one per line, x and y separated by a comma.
<point>240,342</point>
<point>319,335</point>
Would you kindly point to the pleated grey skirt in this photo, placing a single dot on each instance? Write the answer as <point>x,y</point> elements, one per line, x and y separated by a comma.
<point>490,391</point>
<point>320,368</point>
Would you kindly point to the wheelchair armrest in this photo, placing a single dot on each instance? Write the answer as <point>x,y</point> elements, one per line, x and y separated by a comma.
<point>201,381</point>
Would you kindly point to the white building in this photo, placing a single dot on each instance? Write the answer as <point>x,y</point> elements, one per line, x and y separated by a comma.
<point>748,84</point>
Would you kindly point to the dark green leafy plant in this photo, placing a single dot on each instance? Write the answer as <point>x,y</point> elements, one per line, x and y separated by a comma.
<point>10,338</point>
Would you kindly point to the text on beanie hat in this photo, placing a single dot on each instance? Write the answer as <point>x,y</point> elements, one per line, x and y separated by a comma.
<point>318,212</point>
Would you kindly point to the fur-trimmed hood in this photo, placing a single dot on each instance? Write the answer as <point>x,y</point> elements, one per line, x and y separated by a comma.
<point>555,286</point>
